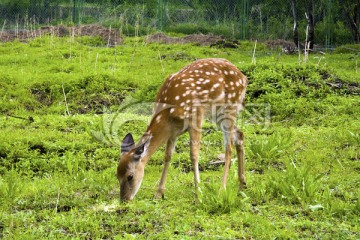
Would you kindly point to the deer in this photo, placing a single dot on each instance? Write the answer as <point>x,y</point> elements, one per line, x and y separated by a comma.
<point>210,87</point>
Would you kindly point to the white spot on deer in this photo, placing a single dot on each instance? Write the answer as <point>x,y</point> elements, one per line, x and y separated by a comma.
<point>216,85</point>
<point>165,98</point>
<point>196,71</point>
<point>231,83</point>
<point>182,104</point>
<point>184,94</point>
<point>220,97</point>
<point>231,72</point>
<point>237,84</point>
<point>226,72</point>
<point>177,98</point>
<point>193,84</point>
<point>221,79</point>
<point>207,73</point>
<point>188,101</point>
<point>176,85</point>
<point>215,69</point>
<point>172,110</point>
<point>158,118</point>
<point>198,88</point>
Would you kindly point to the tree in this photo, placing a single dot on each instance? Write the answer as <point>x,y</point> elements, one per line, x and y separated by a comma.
<point>308,9</point>
<point>310,30</point>
<point>351,10</point>
<point>296,25</point>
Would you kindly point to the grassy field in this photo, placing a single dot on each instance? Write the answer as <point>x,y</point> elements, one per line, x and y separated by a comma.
<point>66,103</point>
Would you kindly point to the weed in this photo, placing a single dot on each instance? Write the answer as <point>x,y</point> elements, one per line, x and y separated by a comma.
<point>297,184</point>
<point>269,148</point>
<point>10,189</point>
<point>214,199</point>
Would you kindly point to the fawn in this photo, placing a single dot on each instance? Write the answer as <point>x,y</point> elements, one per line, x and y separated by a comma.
<point>207,87</point>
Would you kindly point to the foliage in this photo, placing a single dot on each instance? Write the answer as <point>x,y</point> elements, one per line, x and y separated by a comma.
<point>336,21</point>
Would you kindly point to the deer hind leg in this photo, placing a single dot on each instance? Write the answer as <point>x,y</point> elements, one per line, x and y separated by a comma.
<point>169,150</point>
<point>238,140</point>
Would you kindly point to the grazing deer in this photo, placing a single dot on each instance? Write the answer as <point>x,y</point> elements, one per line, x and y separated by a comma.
<point>208,86</point>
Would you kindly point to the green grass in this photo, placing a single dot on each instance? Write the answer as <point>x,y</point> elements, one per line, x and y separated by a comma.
<point>57,171</point>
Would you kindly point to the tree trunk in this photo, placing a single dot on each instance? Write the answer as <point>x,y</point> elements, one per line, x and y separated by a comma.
<point>310,25</point>
<point>354,32</point>
<point>45,15</point>
<point>295,29</point>
<point>32,8</point>
<point>354,21</point>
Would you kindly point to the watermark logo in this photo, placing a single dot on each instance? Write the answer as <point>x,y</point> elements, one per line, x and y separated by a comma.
<point>223,115</point>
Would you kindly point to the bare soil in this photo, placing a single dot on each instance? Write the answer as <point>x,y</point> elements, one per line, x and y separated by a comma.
<point>110,36</point>
<point>200,39</point>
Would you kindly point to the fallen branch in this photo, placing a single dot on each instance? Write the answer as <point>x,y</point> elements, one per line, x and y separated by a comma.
<point>30,118</point>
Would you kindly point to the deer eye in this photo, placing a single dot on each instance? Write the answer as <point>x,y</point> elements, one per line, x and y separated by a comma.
<point>130,177</point>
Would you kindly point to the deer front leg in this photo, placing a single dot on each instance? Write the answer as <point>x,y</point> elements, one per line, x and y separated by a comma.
<point>195,138</point>
<point>238,138</point>
<point>170,147</point>
<point>227,144</point>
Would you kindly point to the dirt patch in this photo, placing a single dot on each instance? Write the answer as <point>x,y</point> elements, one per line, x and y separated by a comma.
<point>110,36</point>
<point>286,46</point>
<point>201,39</point>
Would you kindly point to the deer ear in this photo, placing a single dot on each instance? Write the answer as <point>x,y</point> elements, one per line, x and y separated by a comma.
<point>141,149</point>
<point>127,143</point>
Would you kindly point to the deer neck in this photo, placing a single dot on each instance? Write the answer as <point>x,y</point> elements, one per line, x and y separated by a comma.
<point>159,134</point>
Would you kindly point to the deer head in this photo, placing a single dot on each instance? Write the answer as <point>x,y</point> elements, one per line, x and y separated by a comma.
<point>130,171</point>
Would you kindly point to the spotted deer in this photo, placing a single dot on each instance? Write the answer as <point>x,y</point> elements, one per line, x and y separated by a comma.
<point>208,87</point>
